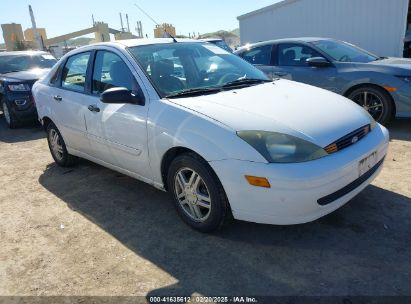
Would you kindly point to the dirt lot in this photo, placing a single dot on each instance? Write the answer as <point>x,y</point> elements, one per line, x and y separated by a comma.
<point>92,231</point>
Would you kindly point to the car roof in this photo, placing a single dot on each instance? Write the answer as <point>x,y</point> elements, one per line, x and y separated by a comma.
<point>211,39</point>
<point>28,53</point>
<point>145,41</point>
<point>284,40</point>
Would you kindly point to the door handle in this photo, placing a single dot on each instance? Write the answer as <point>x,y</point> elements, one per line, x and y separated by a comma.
<point>57,98</point>
<point>280,74</point>
<point>94,108</point>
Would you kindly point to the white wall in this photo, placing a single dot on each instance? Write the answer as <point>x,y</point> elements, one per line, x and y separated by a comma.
<point>375,25</point>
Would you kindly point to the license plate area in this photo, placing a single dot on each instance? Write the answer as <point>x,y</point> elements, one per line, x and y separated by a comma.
<point>367,163</point>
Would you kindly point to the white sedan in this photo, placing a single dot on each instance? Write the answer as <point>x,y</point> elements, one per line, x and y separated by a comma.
<point>192,119</point>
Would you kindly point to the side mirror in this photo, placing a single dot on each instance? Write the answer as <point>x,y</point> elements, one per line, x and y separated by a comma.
<point>318,62</point>
<point>121,95</point>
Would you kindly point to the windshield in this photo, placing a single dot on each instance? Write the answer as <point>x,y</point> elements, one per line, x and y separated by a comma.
<point>176,68</point>
<point>222,44</point>
<point>344,52</point>
<point>17,63</point>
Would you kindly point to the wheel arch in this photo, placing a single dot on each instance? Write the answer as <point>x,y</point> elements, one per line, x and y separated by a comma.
<point>167,159</point>
<point>46,121</point>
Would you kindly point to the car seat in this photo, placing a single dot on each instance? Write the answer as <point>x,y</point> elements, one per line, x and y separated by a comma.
<point>161,72</point>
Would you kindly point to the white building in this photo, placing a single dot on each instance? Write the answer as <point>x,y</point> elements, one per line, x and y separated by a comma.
<point>375,25</point>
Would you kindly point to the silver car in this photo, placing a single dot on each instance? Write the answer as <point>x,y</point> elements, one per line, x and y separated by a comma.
<point>379,84</point>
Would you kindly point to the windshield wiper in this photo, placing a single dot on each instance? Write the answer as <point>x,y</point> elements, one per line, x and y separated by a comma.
<point>243,82</point>
<point>381,58</point>
<point>194,92</point>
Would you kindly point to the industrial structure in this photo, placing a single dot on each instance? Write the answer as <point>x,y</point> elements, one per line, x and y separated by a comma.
<point>13,36</point>
<point>36,38</point>
<point>376,25</point>
<point>164,30</point>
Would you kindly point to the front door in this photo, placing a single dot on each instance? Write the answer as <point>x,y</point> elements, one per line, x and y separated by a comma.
<point>117,132</point>
<point>292,65</point>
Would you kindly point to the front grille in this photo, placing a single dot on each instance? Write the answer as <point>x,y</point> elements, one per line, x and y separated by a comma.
<point>348,140</point>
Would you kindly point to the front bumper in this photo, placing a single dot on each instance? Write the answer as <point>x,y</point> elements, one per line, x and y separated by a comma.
<point>402,98</point>
<point>297,188</point>
<point>25,108</point>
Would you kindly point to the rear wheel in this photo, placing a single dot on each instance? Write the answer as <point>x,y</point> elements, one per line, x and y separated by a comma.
<point>58,147</point>
<point>375,101</point>
<point>198,195</point>
<point>9,116</point>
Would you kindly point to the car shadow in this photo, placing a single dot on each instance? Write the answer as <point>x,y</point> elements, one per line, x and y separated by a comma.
<point>361,249</point>
<point>400,129</point>
<point>27,132</point>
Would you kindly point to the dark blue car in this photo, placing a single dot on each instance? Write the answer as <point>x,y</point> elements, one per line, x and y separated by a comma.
<point>381,85</point>
<point>18,72</point>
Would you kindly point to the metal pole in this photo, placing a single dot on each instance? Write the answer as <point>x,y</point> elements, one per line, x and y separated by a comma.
<point>128,25</point>
<point>121,20</point>
<point>34,28</point>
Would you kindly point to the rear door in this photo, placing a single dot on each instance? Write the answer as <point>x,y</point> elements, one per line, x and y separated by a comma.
<point>68,97</point>
<point>261,58</point>
<point>117,132</point>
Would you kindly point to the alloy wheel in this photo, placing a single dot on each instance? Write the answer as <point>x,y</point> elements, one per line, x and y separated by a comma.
<point>371,102</point>
<point>55,144</point>
<point>192,194</point>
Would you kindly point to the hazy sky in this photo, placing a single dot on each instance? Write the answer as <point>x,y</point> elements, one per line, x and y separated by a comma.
<point>61,17</point>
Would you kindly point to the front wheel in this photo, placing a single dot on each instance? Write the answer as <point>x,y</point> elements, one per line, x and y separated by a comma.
<point>9,117</point>
<point>58,147</point>
<point>198,195</point>
<point>375,101</point>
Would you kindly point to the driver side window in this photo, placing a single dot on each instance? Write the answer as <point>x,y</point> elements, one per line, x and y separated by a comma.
<point>290,54</point>
<point>110,71</point>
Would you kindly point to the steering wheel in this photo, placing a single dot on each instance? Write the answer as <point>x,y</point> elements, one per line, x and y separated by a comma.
<point>227,78</point>
<point>345,58</point>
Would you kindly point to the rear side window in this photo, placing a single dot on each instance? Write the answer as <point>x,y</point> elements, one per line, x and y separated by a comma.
<point>54,79</point>
<point>74,72</point>
<point>258,55</point>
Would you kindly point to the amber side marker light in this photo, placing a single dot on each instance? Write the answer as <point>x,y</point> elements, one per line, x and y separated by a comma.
<point>258,181</point>
<point>389,89</point>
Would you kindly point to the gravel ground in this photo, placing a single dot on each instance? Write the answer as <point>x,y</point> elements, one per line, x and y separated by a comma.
<point>89,231</point>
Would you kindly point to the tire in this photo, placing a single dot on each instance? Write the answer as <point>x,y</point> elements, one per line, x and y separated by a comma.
<point>207,192</point>
<point>379,103</point>
<point>9,116</point>
<point>58,147</point>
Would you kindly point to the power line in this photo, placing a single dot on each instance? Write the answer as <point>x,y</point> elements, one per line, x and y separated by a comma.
<point>146,14</point>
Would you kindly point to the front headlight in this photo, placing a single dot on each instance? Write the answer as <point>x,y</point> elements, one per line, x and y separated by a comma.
<point>19,87</point>
<point>282,148</point>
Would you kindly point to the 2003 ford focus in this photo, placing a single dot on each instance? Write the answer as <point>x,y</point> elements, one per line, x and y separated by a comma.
<point>190,118</point>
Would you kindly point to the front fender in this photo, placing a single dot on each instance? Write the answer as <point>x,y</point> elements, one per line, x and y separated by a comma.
<point>171,126</point>
<point>357,78</point>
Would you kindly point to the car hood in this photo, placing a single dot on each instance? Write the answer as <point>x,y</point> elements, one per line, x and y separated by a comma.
<point>307,112</point>
<point>403,63</point>
<point>32,75</point>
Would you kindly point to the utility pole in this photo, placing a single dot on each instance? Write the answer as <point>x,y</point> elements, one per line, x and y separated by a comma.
<point>36,36</point>
<point>128,25</point>
<point>121,20</point>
